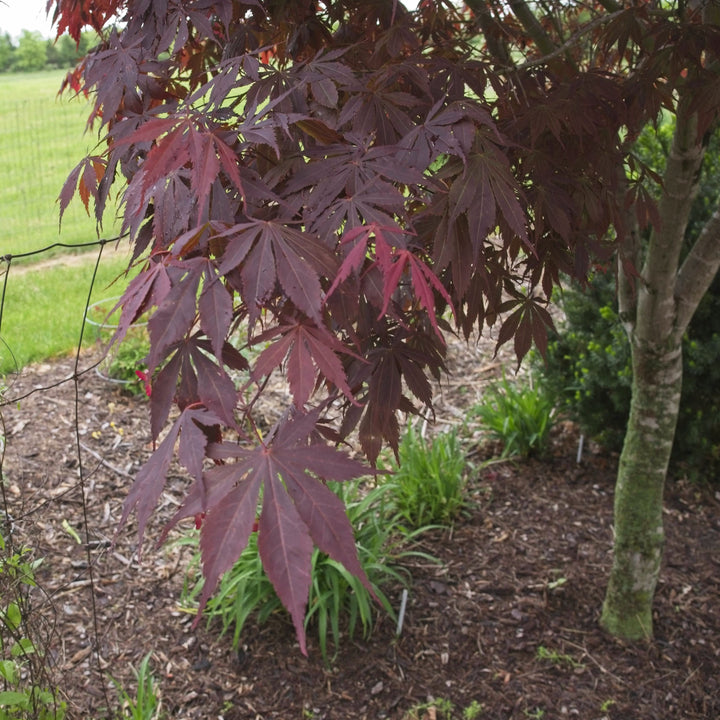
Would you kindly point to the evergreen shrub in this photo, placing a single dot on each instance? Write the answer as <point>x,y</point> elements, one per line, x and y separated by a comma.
<point>588,372</point>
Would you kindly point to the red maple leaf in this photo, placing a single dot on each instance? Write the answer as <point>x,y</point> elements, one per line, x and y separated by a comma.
<point>298,509</point>
<point>308,350</point>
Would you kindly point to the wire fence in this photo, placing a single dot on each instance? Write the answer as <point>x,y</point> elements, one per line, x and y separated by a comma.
<point>31,658</point>
<point>41,141</point>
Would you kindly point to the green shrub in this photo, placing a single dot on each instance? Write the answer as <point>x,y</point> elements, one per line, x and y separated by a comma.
<point>517,414</point>
<point>429,483</point>
<point>126,360</point>
<point>338,602</point>
<point>124,363</point>
<point>588,370</point>
<point>23,676</point>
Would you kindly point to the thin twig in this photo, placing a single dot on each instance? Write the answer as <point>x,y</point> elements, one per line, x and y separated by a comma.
<point>105,463</point>
<point>592,659</point>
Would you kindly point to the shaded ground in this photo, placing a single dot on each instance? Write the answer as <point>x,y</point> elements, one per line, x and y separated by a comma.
<point>508,619</point>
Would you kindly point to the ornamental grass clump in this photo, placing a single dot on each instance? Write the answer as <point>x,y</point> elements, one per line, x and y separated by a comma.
<point>339,605</point>
<point>429,481</point>
<point>519,415</point>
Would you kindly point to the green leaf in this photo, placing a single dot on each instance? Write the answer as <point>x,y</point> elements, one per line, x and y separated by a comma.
<point>8,670</point>
<point>12,616</point>
<point>13,699</point>
<point>22,647</point>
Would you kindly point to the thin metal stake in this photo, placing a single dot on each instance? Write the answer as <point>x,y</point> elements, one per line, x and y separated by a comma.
<point>401,614</point>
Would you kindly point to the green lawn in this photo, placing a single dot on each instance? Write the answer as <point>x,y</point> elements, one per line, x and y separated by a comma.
<point>44,307</point>
<point>42,137</point>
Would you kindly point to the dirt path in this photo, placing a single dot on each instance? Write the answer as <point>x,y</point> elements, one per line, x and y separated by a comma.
<point>112,250</point>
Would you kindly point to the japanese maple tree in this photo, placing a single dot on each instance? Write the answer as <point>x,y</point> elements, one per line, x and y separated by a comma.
<point>342,184</point>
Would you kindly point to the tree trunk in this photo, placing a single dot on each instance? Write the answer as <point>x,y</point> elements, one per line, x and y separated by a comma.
<point>639,537</point>
<point>650,316</point>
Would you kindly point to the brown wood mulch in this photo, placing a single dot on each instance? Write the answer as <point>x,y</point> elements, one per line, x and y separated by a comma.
<point>505,623</point>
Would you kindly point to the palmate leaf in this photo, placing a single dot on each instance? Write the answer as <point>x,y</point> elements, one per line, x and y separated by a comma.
<point>286,550</point>
<point>190,376</point>
<point>297,511</point>
<point>178,142</point>
<point>308,349</point>
<point>176,313</point>
<point>150,479</point>
<point>216,310</point>
<point>225,532</point>
<point>145,290</point>
<point>394,263</point>
<point>86,176</point>
<point>527,324</point>
<point>268,252</point>
<point>73,16</point>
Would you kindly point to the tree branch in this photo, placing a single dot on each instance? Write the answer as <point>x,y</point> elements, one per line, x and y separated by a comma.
<point>572,40</point>
<point>698,271</point>
<point>627,279</point>
<point>656,301</point>
<point>492,32</point>
<point>526,16</point>
<point>611,5</point>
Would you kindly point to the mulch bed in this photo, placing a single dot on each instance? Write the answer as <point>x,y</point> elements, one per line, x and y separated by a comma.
<point>507,618</point>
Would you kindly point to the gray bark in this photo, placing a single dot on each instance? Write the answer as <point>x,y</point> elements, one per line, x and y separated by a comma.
<point>655,314</point>
<point>639,535</point>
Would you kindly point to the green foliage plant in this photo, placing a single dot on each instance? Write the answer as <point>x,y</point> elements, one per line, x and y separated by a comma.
<point>443,709</point>
<point>606,705</point>
<point>587,368</point>
<point>429,480</point>
<point>125,362</point>
<point>146,703</point>
<point>588,371</point>
<point>557,658</point>
<point>473,710</point>
<point>339,605</point>
<point>24,691</point>
<point>517,414</point>
<point>536,714</point>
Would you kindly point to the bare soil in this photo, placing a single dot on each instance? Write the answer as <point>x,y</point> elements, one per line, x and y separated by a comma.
<point>507,619</point>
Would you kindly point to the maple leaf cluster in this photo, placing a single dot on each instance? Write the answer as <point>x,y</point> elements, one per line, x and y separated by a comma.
<point>337,185</point>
